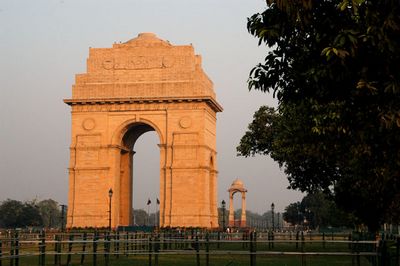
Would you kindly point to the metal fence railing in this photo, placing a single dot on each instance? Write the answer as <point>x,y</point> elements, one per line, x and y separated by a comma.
<point>195,248</point>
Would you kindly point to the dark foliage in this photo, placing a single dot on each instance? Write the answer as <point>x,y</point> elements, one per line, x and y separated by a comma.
<point>334,67</point>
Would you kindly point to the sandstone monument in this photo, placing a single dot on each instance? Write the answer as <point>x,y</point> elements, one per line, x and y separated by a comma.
<point>145,84</point>
<point>237,186</point>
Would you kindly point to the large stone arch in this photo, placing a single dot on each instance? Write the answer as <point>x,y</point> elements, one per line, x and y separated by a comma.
<point>141,85</point>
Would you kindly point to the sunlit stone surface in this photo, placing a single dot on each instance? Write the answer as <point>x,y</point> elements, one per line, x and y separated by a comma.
<point>142,85</point>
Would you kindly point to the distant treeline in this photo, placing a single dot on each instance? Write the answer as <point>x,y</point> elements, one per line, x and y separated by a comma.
<point>313,212</point>
<point>17,214</point>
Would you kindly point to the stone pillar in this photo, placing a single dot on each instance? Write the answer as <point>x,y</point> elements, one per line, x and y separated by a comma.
<point>125,215</point>
<point>164,195</point>
<point>243,216</point>
<point>231,210</point>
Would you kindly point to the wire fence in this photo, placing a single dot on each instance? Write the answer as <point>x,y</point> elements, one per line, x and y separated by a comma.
<point>195,247</point>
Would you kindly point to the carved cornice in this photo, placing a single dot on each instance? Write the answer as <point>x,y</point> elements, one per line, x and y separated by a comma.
<point>88,168</point>
<point>99,101</point>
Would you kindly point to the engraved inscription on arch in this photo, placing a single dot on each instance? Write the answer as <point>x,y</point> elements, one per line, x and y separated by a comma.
<point>141,62</point>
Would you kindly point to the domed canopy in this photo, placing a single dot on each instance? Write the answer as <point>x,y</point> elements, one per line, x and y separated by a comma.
<point>237,185</point>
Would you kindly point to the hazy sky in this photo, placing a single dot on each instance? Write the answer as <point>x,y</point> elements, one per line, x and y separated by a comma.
<point>44,43</point>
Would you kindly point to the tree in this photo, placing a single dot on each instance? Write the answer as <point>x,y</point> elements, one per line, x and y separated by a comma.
<point>30,215</point>
<point>334,68</point>
<point>14,214</point>
<point>320,211</point>
<point>10,211</point>
<point>316,210</point>
<point>293,214</point>
<point>140,217</point>
<point>50,213</point>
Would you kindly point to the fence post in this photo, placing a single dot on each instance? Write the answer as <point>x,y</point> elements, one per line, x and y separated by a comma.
<point>95,249</point>
<point>136,242</point>
<point>117,236</point>
<point>272,239</point>
<point>170,240</point>
<point>218,238</point>
<point>243,240</point>
<point>297,239</point>
<point>126,244</point>
<point>397,250</point>
<point>55,249</point>
<point>253,239</point>
<point>349,239</point>
<point>207,249</point>
<point>156,249</point>
<point>1,253</point>
<point>70,238</point>
<point>11,249</point>
<point>384,253</point>
<point>150,249</point>
<point>16,246</point>
<point>197,246</point>
<point>59,249</point>
<point>133,244</point>
<point>42,248</point>
<point>83,247</point>
<point>251,248</point>
<point>303,257</point>
<point>323,240</point>
<point>107,248</point>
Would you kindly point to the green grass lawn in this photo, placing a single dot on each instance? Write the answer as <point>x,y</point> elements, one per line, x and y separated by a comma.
<point>190,259</point>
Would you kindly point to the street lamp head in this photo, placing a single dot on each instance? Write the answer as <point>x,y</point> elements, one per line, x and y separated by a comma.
<point>110,192</point>
<point>223,203</point>
<point>272,206</point>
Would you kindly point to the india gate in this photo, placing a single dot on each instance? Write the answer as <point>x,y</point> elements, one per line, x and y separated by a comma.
<point>145,84</point>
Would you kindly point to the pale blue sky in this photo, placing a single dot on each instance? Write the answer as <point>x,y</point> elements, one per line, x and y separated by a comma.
<point>44,43</point>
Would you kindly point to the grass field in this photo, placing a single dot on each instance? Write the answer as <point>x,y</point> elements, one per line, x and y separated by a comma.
<point>217,260</point>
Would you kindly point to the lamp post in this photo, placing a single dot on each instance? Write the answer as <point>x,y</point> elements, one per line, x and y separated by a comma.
<point>273,218</point>
<point>110,193</point>
<point>223,215</point>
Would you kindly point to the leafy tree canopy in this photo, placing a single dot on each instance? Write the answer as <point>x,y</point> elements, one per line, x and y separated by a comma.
<point>334,67</point>
<point>51,214</point>
<point>317,210</point>
<point>14,214</point>
<point>294,214</point>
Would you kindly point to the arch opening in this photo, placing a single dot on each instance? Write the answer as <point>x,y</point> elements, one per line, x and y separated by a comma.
<point>134,132</point>
<point>139,168</point>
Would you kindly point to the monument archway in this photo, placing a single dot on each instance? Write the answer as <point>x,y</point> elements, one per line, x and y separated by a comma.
<point>237,187</point>
<point>145,84</point>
